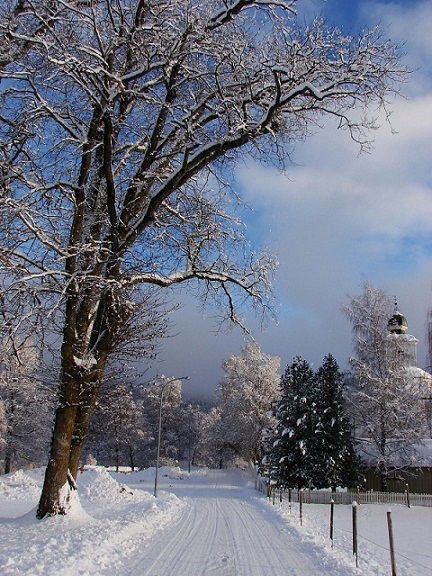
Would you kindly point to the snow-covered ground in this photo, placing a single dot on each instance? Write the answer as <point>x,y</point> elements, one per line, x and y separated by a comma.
<point>207,522</point>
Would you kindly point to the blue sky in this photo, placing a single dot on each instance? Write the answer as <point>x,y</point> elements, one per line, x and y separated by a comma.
<point>338,220</point>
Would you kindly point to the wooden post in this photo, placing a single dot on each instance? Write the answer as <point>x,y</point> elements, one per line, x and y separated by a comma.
<point>289,499</point>
<point>331,520</point>
<point>354,526</point>
<point>274,494</point>
<point>301,506</point>
<point>392,552</point>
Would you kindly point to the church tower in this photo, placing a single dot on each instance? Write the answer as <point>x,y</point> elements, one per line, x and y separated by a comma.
<point>403,348</point>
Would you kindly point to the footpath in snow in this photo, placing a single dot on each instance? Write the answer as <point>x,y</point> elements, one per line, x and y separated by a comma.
<point>208,522</point>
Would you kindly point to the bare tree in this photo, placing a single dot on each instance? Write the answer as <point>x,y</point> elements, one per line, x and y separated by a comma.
<point>27,402</point>
<point>387,408</point>
<point>118,123</point>
<point>215,448</point>
<point>250,386</point>
<point>163,411</point>
<point>190,432</point>
<point>117,433</point>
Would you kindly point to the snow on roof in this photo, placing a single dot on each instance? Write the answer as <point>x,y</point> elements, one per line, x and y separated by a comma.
<point>421,456</point>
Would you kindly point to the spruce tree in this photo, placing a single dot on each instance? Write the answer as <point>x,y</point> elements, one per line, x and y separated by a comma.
<point>335,461</point>
<point>291,456</point>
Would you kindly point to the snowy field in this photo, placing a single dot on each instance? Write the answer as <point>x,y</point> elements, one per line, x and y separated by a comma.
<point>204,523</point>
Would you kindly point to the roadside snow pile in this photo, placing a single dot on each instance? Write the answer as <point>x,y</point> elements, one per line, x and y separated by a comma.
<point>96,484</point>
<point>173,472</point>
<point>107,527</point>
<point>147,475</point>
<point>18,486</point>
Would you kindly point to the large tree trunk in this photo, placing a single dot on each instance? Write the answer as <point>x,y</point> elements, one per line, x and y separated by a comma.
<point>9,440</point>
<point>8,460</point>
<point>54,498</point>
<point>82,421</point>
<point>78,395</point>
<point>70,429</point>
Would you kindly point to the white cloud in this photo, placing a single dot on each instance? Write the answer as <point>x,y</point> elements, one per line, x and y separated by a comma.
<point>408,23</point>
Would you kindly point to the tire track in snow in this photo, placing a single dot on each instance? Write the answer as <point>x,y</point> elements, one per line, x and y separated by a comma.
<point>226,530</point>
<point>265,546</point>
<point>170,549</point>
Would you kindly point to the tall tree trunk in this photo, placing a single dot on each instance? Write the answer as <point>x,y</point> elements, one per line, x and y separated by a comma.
<point>131,458</point>
<point>8,460</point>
<point>82,422</point>
<point>53,500</point>
<point>78,395</point>
<point>9,441</point>
<point>70,429</point>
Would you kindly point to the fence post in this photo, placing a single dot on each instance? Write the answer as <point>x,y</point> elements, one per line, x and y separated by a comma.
<point>392,552</point>
<point>301,506</point>
<point>331,520</point>
<point>354,525</point>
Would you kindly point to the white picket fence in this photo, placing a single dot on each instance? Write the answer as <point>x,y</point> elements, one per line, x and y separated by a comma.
<point>346,497</point>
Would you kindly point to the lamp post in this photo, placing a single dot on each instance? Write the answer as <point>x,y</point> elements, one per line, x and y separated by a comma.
<point>164,385</point>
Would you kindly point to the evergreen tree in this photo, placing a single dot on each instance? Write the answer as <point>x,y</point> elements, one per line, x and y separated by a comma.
<point>311,443</point>
<point>291,456</point>
<point>335,461</point>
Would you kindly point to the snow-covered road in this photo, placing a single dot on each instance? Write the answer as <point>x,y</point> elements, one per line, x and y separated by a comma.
<point>226,529</point>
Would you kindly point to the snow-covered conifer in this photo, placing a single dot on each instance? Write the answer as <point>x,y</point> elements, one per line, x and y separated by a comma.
<point>335,460</point>
<point>291,456</point>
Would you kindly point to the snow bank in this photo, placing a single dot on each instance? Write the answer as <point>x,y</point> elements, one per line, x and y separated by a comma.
<point>96,483</point>
<point>411,529</point>
<point>19,485</point>
<point>108,525</point>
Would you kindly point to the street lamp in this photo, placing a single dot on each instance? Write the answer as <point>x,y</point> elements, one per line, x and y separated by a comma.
<point>163,386</point>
